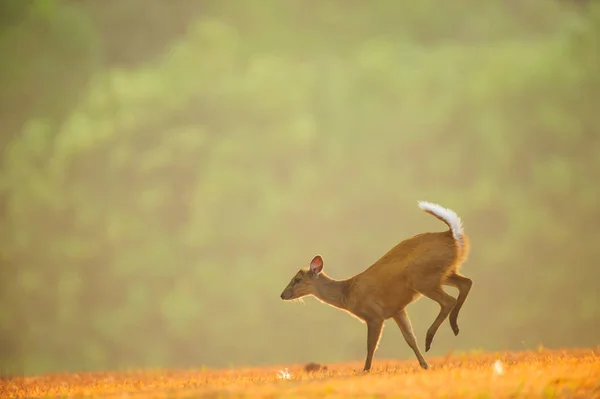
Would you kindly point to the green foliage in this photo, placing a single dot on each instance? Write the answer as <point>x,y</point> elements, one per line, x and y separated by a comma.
<point>48,51</point>
<point>157,225</point>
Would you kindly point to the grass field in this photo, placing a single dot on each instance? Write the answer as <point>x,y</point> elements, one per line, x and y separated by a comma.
<point>572,373</point>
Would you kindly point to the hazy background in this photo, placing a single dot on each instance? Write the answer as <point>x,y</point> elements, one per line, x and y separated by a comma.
<point>167,166</point>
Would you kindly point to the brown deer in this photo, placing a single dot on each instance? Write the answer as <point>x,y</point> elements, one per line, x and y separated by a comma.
<point>417,266</point>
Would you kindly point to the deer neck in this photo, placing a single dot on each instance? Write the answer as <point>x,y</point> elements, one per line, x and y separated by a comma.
<point>332,292</point>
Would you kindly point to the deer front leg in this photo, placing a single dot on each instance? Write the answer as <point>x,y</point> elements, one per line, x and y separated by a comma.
<point>405,325</point>
<point>373,335</point>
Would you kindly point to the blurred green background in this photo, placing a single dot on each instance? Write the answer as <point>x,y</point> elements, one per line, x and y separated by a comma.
<point>167,166</point>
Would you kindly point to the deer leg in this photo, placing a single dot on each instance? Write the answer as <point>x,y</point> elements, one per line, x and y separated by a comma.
<point>446,303</point>
<point>373,335</point>
<point>464,285</point>
<point>403,322</point>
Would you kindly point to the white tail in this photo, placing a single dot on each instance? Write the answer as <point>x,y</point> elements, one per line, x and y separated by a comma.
<point>446,215</point>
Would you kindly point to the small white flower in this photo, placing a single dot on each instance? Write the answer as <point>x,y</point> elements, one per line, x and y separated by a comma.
<point>284,374</point>
<point>498,367</point>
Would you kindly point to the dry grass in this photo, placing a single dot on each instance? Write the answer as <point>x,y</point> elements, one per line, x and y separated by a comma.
<point>573,373</point>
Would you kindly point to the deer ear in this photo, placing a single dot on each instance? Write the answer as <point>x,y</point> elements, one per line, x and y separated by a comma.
<point>316,265</point>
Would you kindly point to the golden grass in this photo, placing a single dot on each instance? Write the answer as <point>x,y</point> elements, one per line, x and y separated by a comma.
<point>572,373</point>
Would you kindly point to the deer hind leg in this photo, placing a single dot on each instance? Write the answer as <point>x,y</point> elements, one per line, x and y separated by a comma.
<point>403,322</point>
<point>446,303</point>
<point>463,284</point>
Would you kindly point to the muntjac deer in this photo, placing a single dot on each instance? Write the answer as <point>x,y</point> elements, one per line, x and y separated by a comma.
<point>417,266</point>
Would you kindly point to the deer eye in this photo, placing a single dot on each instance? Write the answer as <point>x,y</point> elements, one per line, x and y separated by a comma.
<point>297,280</point>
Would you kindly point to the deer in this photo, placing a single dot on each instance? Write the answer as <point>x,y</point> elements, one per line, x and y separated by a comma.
<point>417,266</point>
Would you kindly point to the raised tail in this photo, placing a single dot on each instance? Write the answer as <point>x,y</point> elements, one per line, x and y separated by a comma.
<point>449,217</point>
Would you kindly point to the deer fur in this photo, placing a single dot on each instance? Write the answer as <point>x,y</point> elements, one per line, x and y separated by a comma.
<point>417,266</point>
